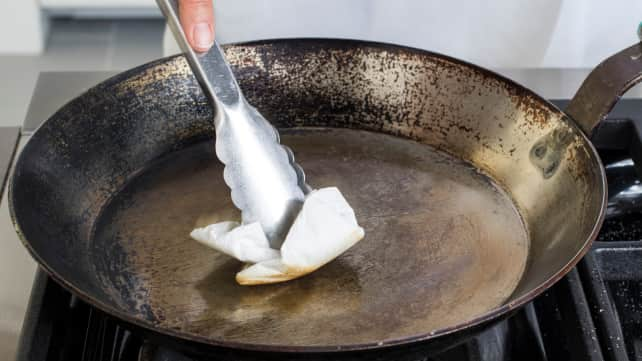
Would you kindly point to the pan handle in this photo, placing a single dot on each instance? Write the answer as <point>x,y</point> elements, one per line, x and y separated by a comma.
<point>605,85</point>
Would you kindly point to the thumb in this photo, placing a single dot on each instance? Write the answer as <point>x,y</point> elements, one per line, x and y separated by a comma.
<point>197,20</point>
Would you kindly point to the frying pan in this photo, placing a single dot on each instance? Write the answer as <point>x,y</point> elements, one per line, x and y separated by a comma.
<point>475,193</point>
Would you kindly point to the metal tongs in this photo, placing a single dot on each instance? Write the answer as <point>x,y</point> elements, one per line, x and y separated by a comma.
<point>266,183</point>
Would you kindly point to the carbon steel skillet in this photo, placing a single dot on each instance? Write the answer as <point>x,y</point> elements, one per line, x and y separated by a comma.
<point>475,193</point>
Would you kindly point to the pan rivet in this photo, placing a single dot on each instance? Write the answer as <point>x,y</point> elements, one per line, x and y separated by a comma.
<point>539,151</point>
<point>550,170</point>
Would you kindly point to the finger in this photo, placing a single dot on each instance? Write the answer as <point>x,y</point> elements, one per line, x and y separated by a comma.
<point>197,19</point>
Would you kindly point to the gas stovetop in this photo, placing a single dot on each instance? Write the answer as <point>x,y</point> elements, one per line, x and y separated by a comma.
<point>594,313</point>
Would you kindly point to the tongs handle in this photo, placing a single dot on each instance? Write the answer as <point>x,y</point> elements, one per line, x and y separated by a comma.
<point>209,67</point>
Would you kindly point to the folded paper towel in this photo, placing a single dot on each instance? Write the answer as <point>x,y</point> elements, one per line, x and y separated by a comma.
<point>325,227</point>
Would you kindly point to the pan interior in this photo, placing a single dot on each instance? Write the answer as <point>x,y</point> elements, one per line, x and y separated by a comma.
<point>443,244</point>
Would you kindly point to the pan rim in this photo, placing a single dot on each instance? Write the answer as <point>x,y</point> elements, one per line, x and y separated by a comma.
<point>481,319</point>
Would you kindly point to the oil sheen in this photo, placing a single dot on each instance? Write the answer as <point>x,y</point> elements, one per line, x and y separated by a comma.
<point>444,244</point>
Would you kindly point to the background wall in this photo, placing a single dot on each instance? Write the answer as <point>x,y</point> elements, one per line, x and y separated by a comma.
<point>498,33</point>
<point>22,28</point>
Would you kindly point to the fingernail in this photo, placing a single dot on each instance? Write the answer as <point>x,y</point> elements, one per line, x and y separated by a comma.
<point>203,37</point>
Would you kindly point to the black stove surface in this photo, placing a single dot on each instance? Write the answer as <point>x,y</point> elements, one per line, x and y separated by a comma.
<point>594,313</point>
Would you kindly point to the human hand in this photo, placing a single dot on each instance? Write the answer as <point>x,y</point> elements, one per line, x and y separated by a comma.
<point>197,19</point>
